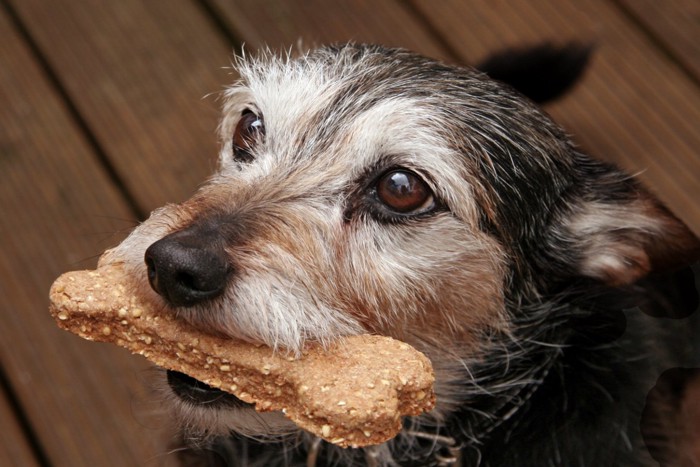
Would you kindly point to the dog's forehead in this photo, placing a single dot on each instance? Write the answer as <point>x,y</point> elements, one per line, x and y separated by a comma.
<point>337,113</point>
<point>339,118</point>
<point>320,139</point>
<point>312,96</point>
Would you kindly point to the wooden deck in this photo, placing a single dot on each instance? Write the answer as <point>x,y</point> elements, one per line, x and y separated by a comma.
<point>108,110</point>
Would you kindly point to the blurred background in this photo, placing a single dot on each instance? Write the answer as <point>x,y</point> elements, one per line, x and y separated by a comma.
<point>108,109</point>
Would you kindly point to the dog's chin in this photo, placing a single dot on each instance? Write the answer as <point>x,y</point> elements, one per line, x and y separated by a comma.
<point>205,412</point>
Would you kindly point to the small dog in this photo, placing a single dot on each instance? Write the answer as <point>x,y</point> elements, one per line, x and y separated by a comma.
<point>363,189</point>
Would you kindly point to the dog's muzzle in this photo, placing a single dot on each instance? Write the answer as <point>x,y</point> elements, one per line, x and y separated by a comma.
<point>187,267</point>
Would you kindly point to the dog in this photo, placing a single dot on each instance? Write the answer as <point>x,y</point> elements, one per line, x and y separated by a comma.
<point>364,189</point>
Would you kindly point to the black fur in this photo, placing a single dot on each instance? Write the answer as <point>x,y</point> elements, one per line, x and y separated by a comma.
<point>586,407</point>
<point>569,387</point>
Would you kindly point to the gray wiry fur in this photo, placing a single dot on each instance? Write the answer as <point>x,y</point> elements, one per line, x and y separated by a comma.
<point>482,283</point>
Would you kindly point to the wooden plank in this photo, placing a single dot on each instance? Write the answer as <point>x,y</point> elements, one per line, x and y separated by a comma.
<point>675,24</point>
<point>15,449</point>
<point>139,72</point>
<point>635,106</point>
<point>59,210</point>
<point>281,24</point>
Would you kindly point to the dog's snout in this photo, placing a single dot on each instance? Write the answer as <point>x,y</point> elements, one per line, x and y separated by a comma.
<point>187,269</point>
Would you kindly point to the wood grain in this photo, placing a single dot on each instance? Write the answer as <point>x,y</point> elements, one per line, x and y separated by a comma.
<point>675,24</point>
<point>82,400</point>
<point>15,449</point>
<point>140,73</point>
<point>281,24</point>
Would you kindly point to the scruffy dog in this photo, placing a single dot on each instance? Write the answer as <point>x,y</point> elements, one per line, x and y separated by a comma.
<point>371,190</point>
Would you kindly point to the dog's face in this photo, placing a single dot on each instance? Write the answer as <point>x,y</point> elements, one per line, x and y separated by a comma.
<point>361,190</point>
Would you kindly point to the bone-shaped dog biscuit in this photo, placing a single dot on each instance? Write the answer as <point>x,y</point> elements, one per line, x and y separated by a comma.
<point>352,393</point>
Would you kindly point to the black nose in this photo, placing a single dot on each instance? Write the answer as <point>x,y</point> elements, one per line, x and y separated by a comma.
<point>187,268</point>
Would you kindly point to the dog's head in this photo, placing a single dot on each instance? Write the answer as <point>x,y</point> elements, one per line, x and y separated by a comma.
<point>364,189</point>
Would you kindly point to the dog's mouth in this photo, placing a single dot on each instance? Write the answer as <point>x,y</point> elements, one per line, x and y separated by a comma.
<point>195,392</point>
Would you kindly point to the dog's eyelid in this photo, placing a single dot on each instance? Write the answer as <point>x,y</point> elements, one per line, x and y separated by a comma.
<point>249,110</point>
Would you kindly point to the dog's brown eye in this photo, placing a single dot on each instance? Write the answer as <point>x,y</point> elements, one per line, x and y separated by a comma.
<point>404,192</point>
<point>249,131</point>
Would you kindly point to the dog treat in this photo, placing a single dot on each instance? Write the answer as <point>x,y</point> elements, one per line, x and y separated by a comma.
<point>352,393</point>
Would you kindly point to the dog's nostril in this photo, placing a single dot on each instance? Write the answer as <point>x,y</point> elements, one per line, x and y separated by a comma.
<point>188,280</point>
<point>198,280</point>
<point>151,271</point>
<point>186,271</point>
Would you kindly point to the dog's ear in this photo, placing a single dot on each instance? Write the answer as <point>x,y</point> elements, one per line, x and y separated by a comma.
<point>542,73</point>
<point>619,241</point>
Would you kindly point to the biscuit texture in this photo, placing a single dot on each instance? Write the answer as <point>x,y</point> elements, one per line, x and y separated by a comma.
<point>352,393</point>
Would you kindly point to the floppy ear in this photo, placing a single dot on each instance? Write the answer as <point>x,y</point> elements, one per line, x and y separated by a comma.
<point>619,241</point>
<point>543,72</point>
